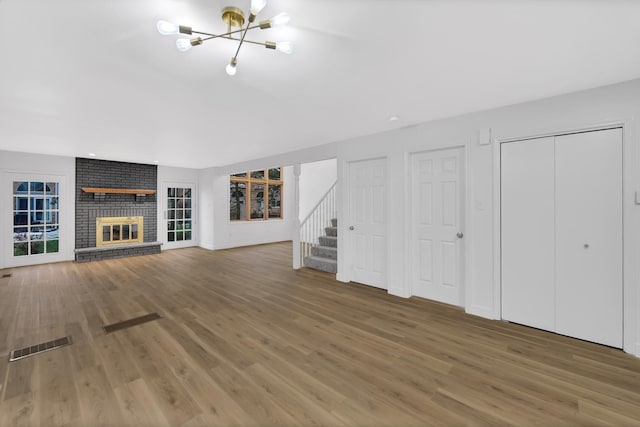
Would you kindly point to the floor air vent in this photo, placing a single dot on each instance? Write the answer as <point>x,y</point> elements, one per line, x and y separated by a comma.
<point>38,348</point>
<point>6,275</point>
<point>131,322</point>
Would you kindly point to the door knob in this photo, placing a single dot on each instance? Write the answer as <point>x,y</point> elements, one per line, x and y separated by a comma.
<point>460,235</point>
<point>352,228</point>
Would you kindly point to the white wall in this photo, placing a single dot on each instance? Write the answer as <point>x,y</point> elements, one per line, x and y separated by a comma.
<point>206,202</point>
<point>33,165</point>
<point>175,177</point>
<point>617,104</point>
<point>316,179</point>
<point>228,234</point>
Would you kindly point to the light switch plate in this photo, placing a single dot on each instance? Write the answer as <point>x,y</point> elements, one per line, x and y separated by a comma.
<point>484,136</point>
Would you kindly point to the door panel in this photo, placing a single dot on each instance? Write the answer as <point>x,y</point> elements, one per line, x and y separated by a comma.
<point>367,207</point>
<point>436,218</point>
<point>528,232</point>
<point>589,236</point>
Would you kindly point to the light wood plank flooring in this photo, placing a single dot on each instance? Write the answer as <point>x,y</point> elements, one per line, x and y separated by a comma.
<point>244,340</point>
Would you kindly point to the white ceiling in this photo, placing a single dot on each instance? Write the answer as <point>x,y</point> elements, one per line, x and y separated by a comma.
<point>88,76</point>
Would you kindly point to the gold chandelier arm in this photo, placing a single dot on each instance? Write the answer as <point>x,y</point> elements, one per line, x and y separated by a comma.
<point>242,38</point>
<point>214,36</point>
<point>247,41</point>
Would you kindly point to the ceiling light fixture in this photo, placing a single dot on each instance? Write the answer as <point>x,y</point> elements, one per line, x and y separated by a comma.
<point>234,18</point>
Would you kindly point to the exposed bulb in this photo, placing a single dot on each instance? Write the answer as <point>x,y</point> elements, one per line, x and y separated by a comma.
<point>231,69</point>
<point>280,19</point>
<point>183,45</point>
<point>257,6</point>
<point>167,28</point>
<point>284,47</point>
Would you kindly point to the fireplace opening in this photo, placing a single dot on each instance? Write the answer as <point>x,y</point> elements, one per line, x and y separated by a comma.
<point>119,230</point>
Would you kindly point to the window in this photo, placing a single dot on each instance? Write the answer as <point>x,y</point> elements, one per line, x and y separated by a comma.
<point>256,195</point>
<point>179,214</point>
<point>36,217</point>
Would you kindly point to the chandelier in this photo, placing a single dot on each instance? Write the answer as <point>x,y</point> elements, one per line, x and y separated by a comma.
<point>234,18</point>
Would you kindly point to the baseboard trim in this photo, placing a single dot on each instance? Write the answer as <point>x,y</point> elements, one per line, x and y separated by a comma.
<point>399,292</point>
<point>206,246</point>
<point>247,243</point>
<point>477,310</point>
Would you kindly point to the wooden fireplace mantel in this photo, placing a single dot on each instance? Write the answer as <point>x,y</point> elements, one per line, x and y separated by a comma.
<point>117,190</point>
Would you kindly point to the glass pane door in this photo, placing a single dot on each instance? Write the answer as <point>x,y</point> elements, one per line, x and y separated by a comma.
<point>179,214</point>
<point>36,217</point>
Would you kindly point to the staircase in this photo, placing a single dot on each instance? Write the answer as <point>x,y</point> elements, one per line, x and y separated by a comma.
<point>324,255</point>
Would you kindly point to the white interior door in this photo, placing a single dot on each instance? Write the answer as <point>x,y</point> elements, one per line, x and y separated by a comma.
<point>367,211</point>
<point>589,236</point>
<point>437,188</point>
<point>528,232</point>
<point>562,231</point>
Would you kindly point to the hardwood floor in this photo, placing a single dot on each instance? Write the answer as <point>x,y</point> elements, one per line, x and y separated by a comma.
<point>244,340</point>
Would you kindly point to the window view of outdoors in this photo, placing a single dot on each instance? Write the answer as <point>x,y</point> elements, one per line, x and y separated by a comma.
<point>256,195</point>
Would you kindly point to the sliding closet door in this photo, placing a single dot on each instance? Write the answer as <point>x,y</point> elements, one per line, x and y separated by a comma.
<point>589,236</point>
<point>527,199</point>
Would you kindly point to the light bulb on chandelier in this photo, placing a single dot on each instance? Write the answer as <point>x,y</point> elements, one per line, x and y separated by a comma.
<point>236,30</point>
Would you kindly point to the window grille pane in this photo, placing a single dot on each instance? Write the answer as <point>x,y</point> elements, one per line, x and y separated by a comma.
<point>257,174</point>
<point>240,175</point>
<point>179,192</point>
<point>20,203</point>
<point>20,187</point>
<point>275,210</point>
<point>20,234</point>
<point>125,231</point>
<point>116,233</point>
<point>257,201</point>
<point>236,201</point>
<point>21,218</point>
<point>20,249</point>
<point>171,237</point>
<point>37,188</point>
<point>171,192</point>
<point>52,189</point>
<point>274,174</point>
<point>134,231</point>
<point>52,246</point>
<point>106,233</point>
<point>37,248</point>
<point>52,218</point>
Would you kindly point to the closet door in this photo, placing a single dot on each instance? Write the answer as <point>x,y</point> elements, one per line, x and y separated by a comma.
<point>528,224</point>
<point>589,236</point>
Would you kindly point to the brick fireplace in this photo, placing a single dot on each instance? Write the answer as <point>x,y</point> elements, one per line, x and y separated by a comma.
<point>110,192</point>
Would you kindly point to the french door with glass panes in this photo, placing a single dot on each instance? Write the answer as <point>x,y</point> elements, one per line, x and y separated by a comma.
<point>35,220</point>
<point>179,215</point>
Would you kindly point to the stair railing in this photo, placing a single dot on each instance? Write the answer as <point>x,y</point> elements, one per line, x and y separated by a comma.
<point>312,227</point>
